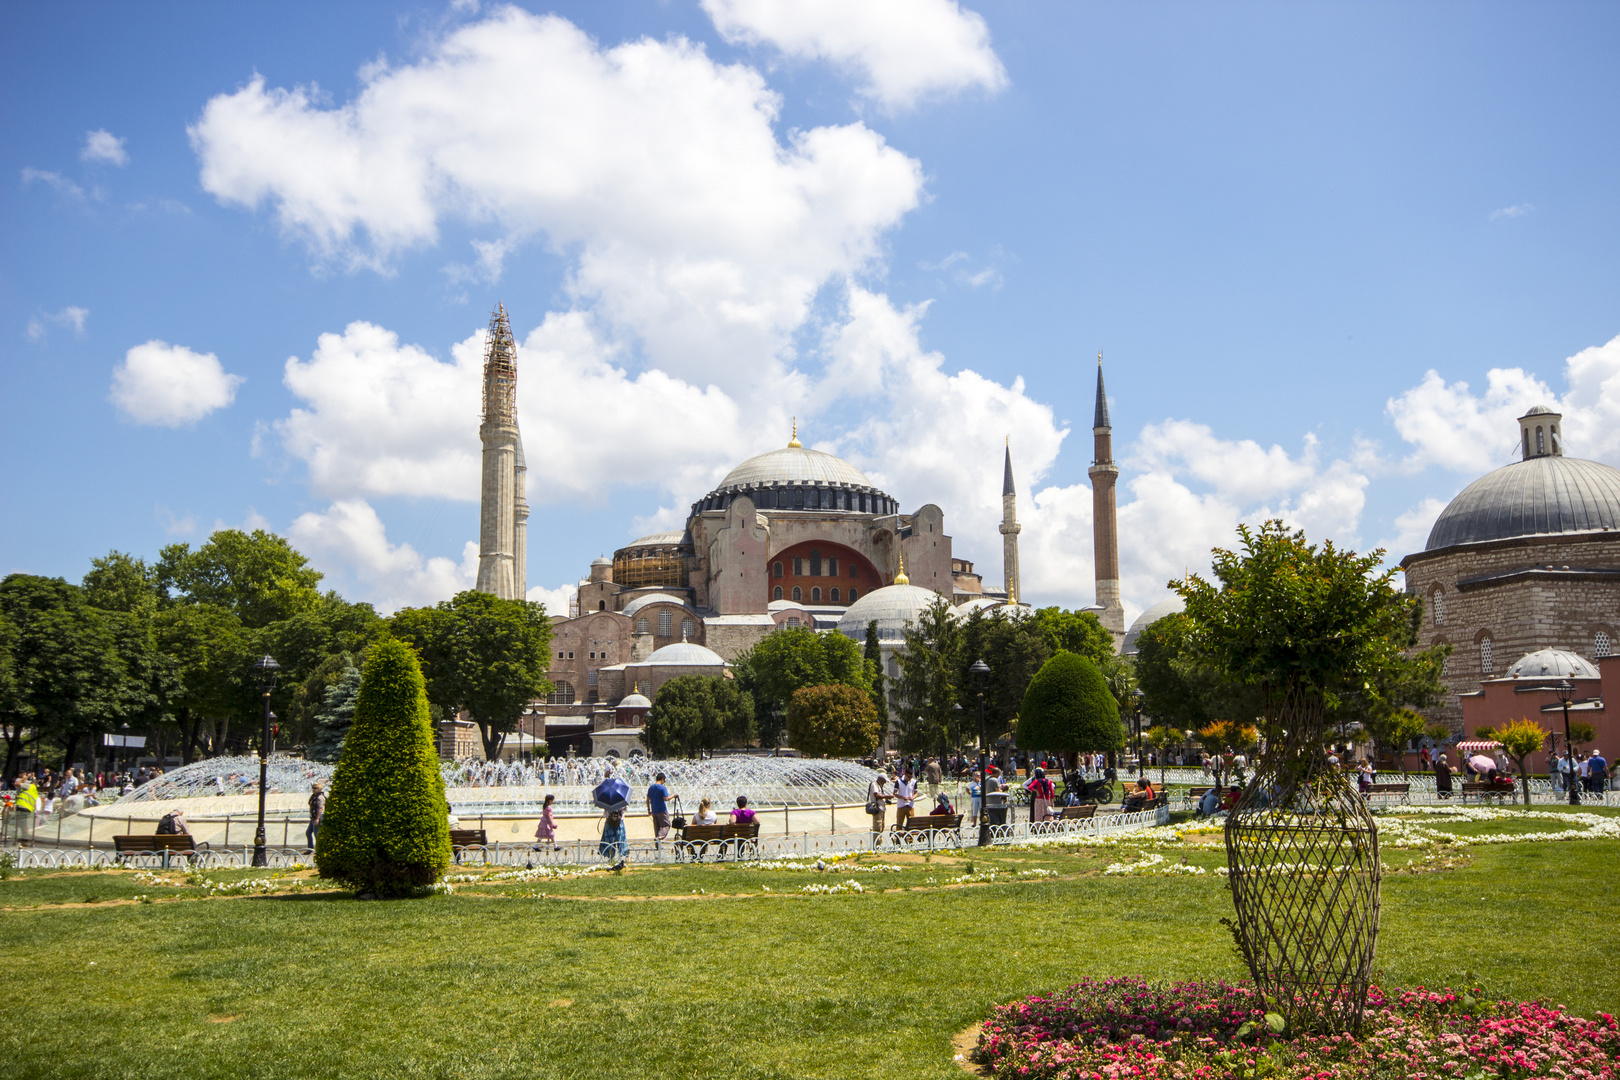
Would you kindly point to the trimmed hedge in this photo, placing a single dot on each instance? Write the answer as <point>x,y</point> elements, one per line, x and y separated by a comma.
<point>387,826</point>
<point>1068,708</point>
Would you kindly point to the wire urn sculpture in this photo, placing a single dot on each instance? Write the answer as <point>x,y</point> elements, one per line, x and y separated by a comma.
<point>1305,878</point>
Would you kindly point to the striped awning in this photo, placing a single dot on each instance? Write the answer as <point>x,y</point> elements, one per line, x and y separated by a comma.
<point>1478,746</point>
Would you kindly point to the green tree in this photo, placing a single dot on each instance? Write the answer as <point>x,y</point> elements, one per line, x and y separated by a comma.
<point>872,653</point>
<point>1075,631</point>
<point>927,686</point>
<point>1293,618</point>
<point>1162,737</point>
<point>1396,729</point>
<point>833,721</point>
<point>1014,647</point>
<point>1519,738</point>
<point>1069,709</point>
<point>335,717</point>
<point>257,575</point>
<point>210,654</point>
<point>696,713</point>
<point>68,676</point>
<point>483,654</point>
<point>386,828</point>
<point>790,659</point>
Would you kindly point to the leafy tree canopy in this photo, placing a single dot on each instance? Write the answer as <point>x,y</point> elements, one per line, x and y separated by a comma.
<point>833,721</point>
<point>257,575</point>
<point>927,686</point>
<point>1075,631</point>
<point>1014,648</point>
<point>1068,708</point>
<point>696,713</point>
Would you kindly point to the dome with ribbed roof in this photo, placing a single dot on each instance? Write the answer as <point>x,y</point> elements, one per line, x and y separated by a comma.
<point>798,478</point>
<point>1169,606</point>
<point>1534,497</point>
<point>893,608</point>
<point>1553,664</point>
<point>683,654</point>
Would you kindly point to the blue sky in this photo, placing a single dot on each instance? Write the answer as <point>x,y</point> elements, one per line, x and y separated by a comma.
<point>1330,251</point>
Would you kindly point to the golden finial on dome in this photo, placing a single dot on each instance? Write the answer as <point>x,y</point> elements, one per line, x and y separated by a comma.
<point>794,441</point>
<point>900,578</point>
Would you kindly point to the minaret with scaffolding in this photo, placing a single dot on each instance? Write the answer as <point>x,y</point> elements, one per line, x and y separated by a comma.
<point>503,507</point>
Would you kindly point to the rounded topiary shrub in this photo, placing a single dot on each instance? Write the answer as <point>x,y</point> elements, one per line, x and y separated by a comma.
<point>1068,708</point>
<point>386,828</point>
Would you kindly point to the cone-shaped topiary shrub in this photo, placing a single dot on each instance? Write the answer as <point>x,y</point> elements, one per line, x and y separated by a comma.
<point>386,829</point>
<point>1068,708</point>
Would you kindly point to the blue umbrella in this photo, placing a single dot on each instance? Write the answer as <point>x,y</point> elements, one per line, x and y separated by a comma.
<point>612,794</point>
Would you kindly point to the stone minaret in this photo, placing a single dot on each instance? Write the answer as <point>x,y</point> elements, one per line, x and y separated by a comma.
<point>1104,525</point>
<point>1009,529</point>
<point>501,539</point>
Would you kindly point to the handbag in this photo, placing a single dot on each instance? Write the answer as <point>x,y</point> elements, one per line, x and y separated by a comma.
<point>678,821</point>
<point>873,808</point>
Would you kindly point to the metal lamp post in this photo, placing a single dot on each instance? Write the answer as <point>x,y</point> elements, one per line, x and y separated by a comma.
<point>1136,716</point>
<point>980,671</point>
<point>956,733</point>
<point>265,669</point>
<point>1565,689</point>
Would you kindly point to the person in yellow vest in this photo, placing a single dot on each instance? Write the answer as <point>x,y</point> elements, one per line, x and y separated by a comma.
<point>27,804</point>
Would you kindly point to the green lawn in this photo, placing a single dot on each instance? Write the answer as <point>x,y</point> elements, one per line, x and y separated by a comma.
<point>637,975</point>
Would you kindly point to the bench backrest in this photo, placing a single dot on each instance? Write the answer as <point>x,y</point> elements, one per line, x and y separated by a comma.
<point>1079,813</point>
<point>730,831</point>
<point>467,838</point>
<point>936,821</point>
<point>1389,789</point>
<point>154,842</point>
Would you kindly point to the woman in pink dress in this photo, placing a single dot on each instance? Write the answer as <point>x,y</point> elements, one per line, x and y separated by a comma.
<point>547,832</point>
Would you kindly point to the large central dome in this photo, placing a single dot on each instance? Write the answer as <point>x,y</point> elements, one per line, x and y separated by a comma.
<point>1534,497</point>
<point>797,478</point>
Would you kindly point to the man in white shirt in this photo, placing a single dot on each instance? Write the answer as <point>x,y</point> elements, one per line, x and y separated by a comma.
<point>905,799</point>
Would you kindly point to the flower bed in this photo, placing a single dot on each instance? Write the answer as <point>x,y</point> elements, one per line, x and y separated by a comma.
<point>1118,1028</point>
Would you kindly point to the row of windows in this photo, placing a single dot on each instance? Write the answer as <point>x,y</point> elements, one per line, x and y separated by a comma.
<point>666,625</point>
<point>1541,440</point>
<point>815,595</point>
<point>814,567</point>
<point>1487,651</point>
<point>805,498</point>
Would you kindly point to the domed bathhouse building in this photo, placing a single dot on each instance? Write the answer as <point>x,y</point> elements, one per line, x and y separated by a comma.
<point>791,537</point>
<point>1524,559</point>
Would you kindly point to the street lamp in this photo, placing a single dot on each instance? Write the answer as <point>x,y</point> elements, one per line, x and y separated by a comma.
<point>956,732</point>
<point>265,670</point>
<point>1565,690</point>
<point>1136,715</point>
<point>981,672</point>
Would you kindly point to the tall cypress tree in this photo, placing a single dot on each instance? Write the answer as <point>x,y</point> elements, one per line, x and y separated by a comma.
<point>386,829</point>
<point>874,673</point>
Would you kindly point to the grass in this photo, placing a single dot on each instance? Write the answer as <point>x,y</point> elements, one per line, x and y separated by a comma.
<point>637,975</point>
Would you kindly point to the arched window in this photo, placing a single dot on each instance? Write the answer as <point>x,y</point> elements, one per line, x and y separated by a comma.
<point>832,567</point>
<point>834,596</point>
<point>815,562</point>
<point>686,629</point>
<point>666,621</point>
<point>793,622</point>
<point>798,567</point>
<point>798,594</point>
<point>776,593</point>
<point>1541,440</point>
<point>798,498</point>
<point>852,595</point>
<point>815,595</point>
<point>1554,431</point>
<point>1526,442</point>
<point>1486,661</point>
<point>1437,607</point>
<point>562,693</point>
<point>776,569</point>
<point>1600,644</point>
<point>641,626</point>
<point>601,605</point>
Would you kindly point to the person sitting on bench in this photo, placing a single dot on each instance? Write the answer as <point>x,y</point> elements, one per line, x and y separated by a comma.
<point>744,813</point>
<point>173,824</point>
<point>942,806</point>
<point>1140,796</point>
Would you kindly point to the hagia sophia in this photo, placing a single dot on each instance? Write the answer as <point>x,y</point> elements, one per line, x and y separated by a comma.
<point>1523,563</point>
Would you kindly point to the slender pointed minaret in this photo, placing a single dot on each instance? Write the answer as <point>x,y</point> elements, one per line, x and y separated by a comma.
<point>501,547</point>
<point>1104,525</point>
<point>1009,529</point>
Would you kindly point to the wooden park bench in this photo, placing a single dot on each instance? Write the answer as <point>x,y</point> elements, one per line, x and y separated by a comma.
<point>1194,796</point>
<point>1079,813</point>
<point>1400,792</point>
<point>697,840</point>
<point>936,823</point>
<point>1487,791</point>
<point>165,844</point>
<point>462,839</point>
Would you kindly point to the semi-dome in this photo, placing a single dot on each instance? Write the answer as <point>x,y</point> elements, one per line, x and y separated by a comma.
<point>1537,496</point>
<point>640,602</point>
<point>683,654</point>
<point>893,607</point>
<point>1553,664</point>
<point>1169,606</point>
<point>798,478</point>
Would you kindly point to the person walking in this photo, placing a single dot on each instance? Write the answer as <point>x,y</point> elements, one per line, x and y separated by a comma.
<point>614,843</point>
<point>658,807</point>
<point>546,831</point>
<point>317,811</point>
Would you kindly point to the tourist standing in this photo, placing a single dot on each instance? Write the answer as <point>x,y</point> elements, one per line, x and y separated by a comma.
<point>658,807</point>
<point>1442,777</point>
<point>975,799</point>
<point>614,843</point>
<point>935,776</point>
<point>1041,795</point>
<point>1599,771</point>
<point>905,799</point>
<point>317,811</point>
<point>27,805</point>
<point>877,796</point>
<point>546,833</point>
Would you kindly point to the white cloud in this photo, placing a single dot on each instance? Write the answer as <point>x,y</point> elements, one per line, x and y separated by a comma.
<point>61,184</point>
<point>1456,429</point>
<point>901,50</point>
<point>693,227</point>
<point>73,318</point>
<point>958,268</point>
<point>1519,210</point>
<point>170,385</point>
<point>556,600</point>
<point>350,544</point>
<point>103,145</point>
<point>1412,528</point>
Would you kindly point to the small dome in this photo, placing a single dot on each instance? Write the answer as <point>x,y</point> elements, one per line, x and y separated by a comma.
<point>1543,410</point>
<point>1552,664</point>
<point>684,653</point>
<point>640,602</point>
<point>1168,606</point>
<point>1535,497</point>
<point>634,701</point>
<point>601,560</point>
<point>894,607</point>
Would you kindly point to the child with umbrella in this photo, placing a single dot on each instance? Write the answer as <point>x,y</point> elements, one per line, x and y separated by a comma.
<point>613,796</point>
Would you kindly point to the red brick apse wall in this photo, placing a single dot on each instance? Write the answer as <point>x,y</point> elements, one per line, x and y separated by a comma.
<point>825,566</point>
